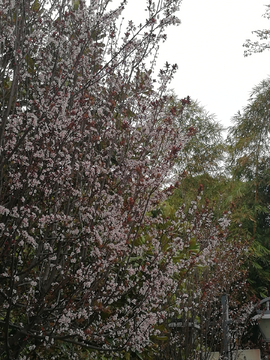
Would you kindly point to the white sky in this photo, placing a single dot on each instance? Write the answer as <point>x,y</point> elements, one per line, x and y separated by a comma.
<point>207,46</point>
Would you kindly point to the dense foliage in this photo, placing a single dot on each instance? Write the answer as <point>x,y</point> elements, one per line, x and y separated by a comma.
<point>120,228</point>
<point>204,153</point>
<point>249,146</point>
<point>89,262</point>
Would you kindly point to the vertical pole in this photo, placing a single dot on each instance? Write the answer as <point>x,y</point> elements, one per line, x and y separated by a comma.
<point>225,321</point>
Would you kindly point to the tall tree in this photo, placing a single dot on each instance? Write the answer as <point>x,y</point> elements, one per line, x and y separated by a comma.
<point>201,162</point>
<point>204,152</point>
<point>249,146</point>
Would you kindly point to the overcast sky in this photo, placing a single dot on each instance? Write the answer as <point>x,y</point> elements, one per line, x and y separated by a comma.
<point>208,48</point>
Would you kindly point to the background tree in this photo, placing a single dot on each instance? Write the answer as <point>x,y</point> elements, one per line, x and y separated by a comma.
<point>263,36</point>
<point>204,152</point>
<point>200,163</point>
<point>249,146</point>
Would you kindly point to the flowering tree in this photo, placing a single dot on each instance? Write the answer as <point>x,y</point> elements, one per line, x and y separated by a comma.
<point>86,146</point>
<point>213,267</point>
